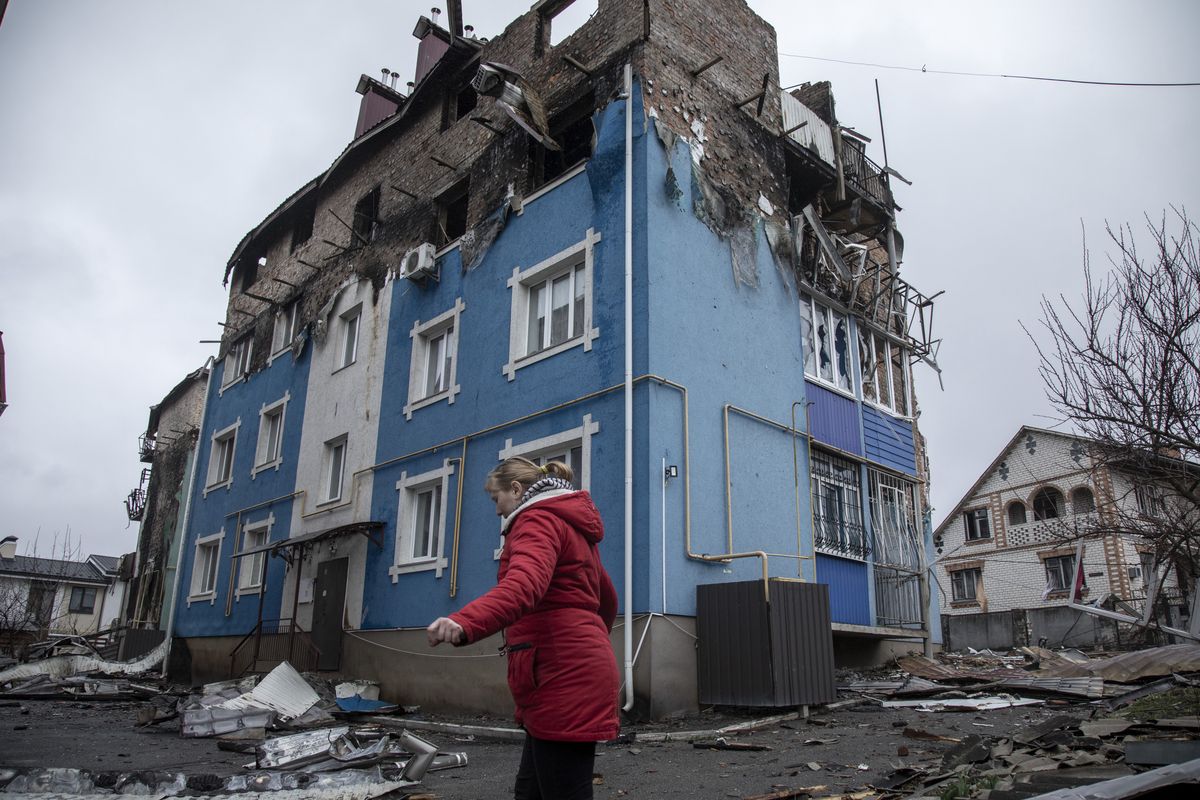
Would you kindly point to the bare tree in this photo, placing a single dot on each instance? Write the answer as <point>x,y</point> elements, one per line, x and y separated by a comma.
<point>1122,366</point>
<point>30,606</point>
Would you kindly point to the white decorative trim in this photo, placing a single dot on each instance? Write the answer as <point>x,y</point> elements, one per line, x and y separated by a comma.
<point>262,413</point>
<point>221,434</point>
<point>210,595</point>
<point>247,527</point>
<point>407,488</point>
<point>420,334</point>
<point>519,284</point>
<point>227,381</point>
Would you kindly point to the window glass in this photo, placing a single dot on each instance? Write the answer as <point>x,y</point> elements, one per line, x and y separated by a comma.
<point>824,359</point>
<point>1048,504</point>
<point>806,337</point>
<point>837,508</point>
<point>866,363</point>
<point>537,317</point>
<point>978,524</point>
<point>577,310</point>
<point>882,348</point>
<point>560,308</point>
<point>1082,501</point>
<point>899,367</point>
<point>337,456</point>
<point>841,347</point>
<point>1016,513</point>
<point>965,582</point>
<point>1060,573</point>
<point>425,521</point>
<point>437,363</point>
<point>350,338</point>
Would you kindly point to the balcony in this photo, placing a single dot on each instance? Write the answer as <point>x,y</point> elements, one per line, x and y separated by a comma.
<point>146,445</point>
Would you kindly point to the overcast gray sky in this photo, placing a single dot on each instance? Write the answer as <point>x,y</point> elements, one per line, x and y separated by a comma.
<point>140,139</point>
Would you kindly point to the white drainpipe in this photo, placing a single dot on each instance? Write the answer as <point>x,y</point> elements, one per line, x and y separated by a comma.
<point>628,387</point>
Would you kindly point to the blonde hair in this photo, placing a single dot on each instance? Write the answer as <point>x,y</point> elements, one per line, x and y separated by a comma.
<point>527,473</point>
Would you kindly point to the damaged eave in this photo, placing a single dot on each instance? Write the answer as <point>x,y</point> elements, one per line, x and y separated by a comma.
<point>287,205</point>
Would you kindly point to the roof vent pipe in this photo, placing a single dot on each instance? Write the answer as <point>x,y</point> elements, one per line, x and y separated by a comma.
<point>434,13</point>
<point>386,75</point>
<point>8,547</point>
<point>469,30</point>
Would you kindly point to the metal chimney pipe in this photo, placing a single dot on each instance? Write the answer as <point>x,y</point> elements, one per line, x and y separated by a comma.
<point>435,13</point>
<point>386,72</point>
<point>469,30</point>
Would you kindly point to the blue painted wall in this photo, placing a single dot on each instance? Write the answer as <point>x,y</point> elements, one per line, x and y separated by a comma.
<point>889,440</point>
<point>849,601</point>
<point>221,508</point>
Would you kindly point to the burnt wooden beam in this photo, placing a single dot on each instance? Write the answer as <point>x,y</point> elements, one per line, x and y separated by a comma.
<point>439,162</point>
<point>285,283</point>
<point>404,192</point>
<point>794,128</point>
<point>487,123</point>
<point>350,227</point>
<point>707,65</point>
<point>760,95</point>
<point>239,311</point>
<point>259,297</point>
<point>313,267</point>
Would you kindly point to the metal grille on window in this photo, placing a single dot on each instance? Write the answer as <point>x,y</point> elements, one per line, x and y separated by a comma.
<point>899,558</point>
<point>837,507</point>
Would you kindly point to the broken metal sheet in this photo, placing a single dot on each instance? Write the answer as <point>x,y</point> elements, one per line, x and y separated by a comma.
<point>1091,688</point>
<point>1056,723</point>
<point>964,703</point>
<point>216,720</point>
<point>1153,752</point>
<point>346,753</point>
<point>64,666</point>
<point>284,690</point>
<point>286,751</point>
<point>1104,727</point>
<point>1129,667</point>
<point>517,97</point>
<point>1157,687</point>
<point>364,705</point>
<point>1129,786</point>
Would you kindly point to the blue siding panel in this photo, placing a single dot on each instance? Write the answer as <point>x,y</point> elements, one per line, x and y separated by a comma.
<point>849,599</point>
<point>834,419</point>
<point>889,440</point>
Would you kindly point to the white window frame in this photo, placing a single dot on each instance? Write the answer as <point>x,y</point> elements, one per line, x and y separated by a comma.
<point>845,531</point>
<point>818,311</point>
<point>1150,500</point>
<point>971,516</point>
<point>285,329</point>
<point>349,333</point>
<point>214,480</point>
<point>197,589</point>
<point>328,465</point>
<point>408,489</point>
<point>580,436</point>
<point>250,567</point>
<point>1062,572</point>
<point>521,284</point>
<point>237,361</point>
<point>423,334</point>
<point>958,580</point>
<point>869,343</point>
<point>264,460</point>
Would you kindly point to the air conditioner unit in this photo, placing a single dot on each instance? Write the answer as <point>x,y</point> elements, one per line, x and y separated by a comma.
<point>419,263</point>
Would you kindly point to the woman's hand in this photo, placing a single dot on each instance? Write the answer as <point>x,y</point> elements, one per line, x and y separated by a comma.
<point>444,629</point>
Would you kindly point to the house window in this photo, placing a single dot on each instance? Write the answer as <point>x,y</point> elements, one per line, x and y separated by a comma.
<point>978,524</point>
<point>250,568</point>
<point>366,218</point>
<point>1082,501</point>
<point>966,584</point>
<point>825,338</point>
<point>837,506</point>
<point>452,214</point>
<point>83,600</point>
<point>205,566</point>
<point>248,271</point>
<point>220,459</point>
<point>574,133</point>
<point>348,340</point>
<point>285,327</point>
<point>335,467</point>
<point>459,103</point>
<point>1150,500</point>
<point>302,230</point>
<point>1016,513</point>
<point>433,367</point>
<point>893,520</point>
<point>269,452</point>
<point>1060,573</point>
<point>1048,503</point>
<point>421,522</point>
<point>237,360</point>
<point>39,605</point>
<point>885,373</point>
<point>552,306</point>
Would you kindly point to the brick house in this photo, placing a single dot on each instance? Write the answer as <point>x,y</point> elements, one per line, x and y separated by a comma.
<point>1010,543</point>
<point>619,251</point>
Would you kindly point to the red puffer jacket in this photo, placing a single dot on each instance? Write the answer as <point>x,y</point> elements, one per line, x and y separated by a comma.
<point>557,604</point>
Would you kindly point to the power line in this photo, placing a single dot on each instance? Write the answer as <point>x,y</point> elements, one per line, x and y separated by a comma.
<point>924,69</point>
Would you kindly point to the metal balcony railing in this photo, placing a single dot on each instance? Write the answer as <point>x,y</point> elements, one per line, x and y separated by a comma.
<point>146,445</point>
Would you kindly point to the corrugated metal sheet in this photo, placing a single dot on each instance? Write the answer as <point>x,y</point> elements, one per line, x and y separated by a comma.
<point>833,419</point>
<point>755,653</point>
<point>849,598</point>
<point>816,135</point>
<point>889,440</point>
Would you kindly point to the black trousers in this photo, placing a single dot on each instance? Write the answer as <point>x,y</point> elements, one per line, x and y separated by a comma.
<point>555,770</point>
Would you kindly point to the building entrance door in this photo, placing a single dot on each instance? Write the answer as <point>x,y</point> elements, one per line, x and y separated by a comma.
<point>329,602</point>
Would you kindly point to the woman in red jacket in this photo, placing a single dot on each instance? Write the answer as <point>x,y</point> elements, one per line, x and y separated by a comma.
<point>556,605</point>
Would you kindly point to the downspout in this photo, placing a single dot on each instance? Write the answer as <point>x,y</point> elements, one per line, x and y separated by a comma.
<point>187,518</point>
<point>628,632</point>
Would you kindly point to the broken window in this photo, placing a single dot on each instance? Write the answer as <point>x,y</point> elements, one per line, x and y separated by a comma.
<point>302,230</point>
<point>83,600</point>
<point>837,506</point>
<point>563,18</point>
<point>1150,500</point>
<point>248,270</point>
<point>893,520</point>
<point>366,218</point>
<point>452,213</point>
<point>978,525</point>
<point>827,339</point>
<point>286,326</point>
<point>1060,573</point>
<point>1048,503</point>
<point>884,371</point>
<point>1016,513</point>
<point>237,360</point>
<point>460,102</point>
<point>966,583</point>
<point>573,131</point>
<point>1082,501</point>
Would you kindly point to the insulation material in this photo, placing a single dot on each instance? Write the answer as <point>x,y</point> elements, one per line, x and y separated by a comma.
<point>717,208</point>
<point>63,666</point>
<point>475,243</point>
<point>668,139</point>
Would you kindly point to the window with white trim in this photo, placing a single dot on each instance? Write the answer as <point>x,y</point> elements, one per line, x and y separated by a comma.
<point>1060,573</point>
<point>896,540</point>
<point>965,584</point>
<point>220,458</point>
<point>421,522</point>
<point>334,469</point>
<point>552,306</point>
<point>237,360</point>
<point>836,506</point>
<point>978,524</point>
<point>433,367</point>
<point>250,570</point>
<point>286,327</point>
<point>269,452</point>
<point>205,566</point>
<point>885,371</point>
<point>83,600</point>
<point>825,339</point>
<point>349,323</point>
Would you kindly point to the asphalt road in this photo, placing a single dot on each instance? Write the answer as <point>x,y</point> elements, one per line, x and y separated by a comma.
<point>839,751</point>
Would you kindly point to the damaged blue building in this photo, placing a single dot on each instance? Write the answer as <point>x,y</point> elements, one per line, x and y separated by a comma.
<point>631,251</point>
